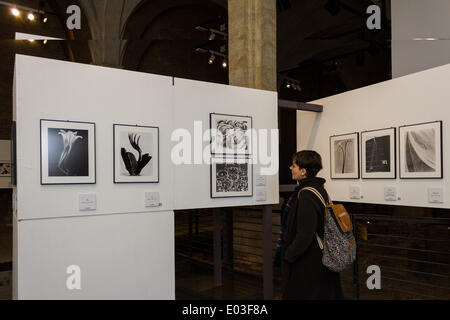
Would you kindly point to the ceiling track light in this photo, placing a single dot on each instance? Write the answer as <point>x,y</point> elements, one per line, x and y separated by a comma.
<point>212,36</point>
<point>30,16</point>
<point>15,12</point>
<point>224,63</point>
<point>211,59</point>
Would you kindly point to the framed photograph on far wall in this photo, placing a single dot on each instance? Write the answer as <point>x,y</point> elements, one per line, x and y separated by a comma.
<point>421,151</point>
<point>67,152</point>
<point>231,177</point>
<point>5,168</point>
<point>230,134</point>
<point>344,156</point>
<point>136,154</point>
<point>378,154</point>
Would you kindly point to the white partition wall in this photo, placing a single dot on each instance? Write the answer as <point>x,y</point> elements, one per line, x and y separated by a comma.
<point>125,250</point>
<point>57,90</point>
<point>122,256</point>
<point>417,98</point>
<point>194,101</point>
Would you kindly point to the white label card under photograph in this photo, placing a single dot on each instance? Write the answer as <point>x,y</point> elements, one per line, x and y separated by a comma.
<point>435,195</point>
<point>152,199</point>
<point>261,181</point>
<point>390,193</point>
<point>261,194</point>
<point>87,202</point>
<point>355,192</point>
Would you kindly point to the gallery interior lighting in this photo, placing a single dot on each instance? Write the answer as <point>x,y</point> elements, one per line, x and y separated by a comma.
<point>211,59</point>
<point>288,84</point>
<point>212,36</point>
<point>15,12</point>
<point>45,41</point>
<point>224,63</point>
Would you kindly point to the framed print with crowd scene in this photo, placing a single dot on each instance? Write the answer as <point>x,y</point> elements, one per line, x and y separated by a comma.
<point>231,177</point>
<point>67,152</point>
<point>136,154</point>
<point>378,154</point>
<point>344,156</point>
<point>230,134</point>
<point>421,151</point>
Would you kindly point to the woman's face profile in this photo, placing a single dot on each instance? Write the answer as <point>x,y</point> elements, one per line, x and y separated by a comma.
<point>297,173</point>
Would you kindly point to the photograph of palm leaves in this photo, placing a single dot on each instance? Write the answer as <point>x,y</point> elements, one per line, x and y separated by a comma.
<point>344,154</point>
<point>231,177</point>
<point>136,153</point>
<point>378,154</point>
<point>230,134</point>
<point>421,150</point>
<point>67,152</point>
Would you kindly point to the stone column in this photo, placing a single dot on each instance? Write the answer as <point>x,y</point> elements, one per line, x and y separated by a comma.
<point>252,63</point>
<point>107,20</point>
<point>252,43</point>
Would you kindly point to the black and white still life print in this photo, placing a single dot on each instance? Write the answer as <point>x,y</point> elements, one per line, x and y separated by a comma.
<point>230,134</point>
<point>67,152</point>
<point>344,156</point>
<point>135,154</point>
<point>231,178</point>
<point>421,150</point>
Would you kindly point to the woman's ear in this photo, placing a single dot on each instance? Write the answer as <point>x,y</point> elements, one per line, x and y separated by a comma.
<point>303,171</point>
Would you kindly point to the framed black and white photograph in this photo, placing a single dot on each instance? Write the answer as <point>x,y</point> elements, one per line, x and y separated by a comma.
<point>5,168</point>
<point>231,177</point>
<point>230,134</point>
<point>344,156</point>
<point>67,152</point>
<point>378,154</point>
<point>136,154</point>
<point>421,151</point>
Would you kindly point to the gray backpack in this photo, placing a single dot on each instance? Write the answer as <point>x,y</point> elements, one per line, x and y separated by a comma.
<point>338,244</point>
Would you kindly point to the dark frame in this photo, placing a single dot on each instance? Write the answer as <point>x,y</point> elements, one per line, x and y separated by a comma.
<point>357,160</point>
<point>114,151</point>
<point>394,163</point>
<point>250,165</point>
<point>230,154</point>
<point>440,150</point>
<point>94,148</point>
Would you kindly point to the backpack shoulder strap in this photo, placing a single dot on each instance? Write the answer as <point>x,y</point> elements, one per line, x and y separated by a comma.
<point>317,193</point>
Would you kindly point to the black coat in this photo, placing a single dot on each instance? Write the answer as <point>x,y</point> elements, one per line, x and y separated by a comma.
<point>302,272</point>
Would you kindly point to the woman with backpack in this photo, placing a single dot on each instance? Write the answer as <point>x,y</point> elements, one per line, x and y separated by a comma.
<point>303,274</point>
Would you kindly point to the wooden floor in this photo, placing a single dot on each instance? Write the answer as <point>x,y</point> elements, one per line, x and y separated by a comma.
<point>195,281</point>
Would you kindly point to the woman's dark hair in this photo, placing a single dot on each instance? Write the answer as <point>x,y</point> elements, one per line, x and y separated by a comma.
<point>308,160</point>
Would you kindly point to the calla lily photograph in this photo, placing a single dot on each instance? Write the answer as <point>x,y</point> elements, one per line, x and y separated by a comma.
<point>67,152</point>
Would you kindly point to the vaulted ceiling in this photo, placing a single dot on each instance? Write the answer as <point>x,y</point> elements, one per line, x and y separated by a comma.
<point>324,44</point>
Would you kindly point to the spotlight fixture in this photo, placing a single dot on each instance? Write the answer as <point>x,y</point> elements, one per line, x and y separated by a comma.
<point>288,84</point>
<point>15,12</point>
<point>45,41</point>
<point>211,59</point>
<point>31,40</point>
<point>224,63</point>
<point>43,18</point>
<point>212,36</point>
<point>30,16</point>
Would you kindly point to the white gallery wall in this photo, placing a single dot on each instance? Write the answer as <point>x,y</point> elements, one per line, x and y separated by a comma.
<point>416,98</point>
<point>194,101</point>
<point>124,249</point>
<point>420,20</point>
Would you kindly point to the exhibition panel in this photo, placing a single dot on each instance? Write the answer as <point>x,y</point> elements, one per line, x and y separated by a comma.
<point>200,106</point>
<point>406,159</point>
<point>122,256</point>
<point>69,109</point>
